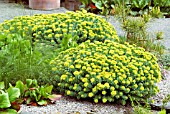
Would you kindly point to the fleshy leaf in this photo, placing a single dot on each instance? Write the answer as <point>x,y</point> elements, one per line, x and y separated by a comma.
<point>9,111</point>
<point>29,82</point>
<point>14,93</point>
<point>42,102</point>
<point>4,100</point>
<point>48,89</point>
<point>54,97</point>
<point>21,86</point>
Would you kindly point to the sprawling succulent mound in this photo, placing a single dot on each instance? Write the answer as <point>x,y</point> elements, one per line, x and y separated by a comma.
<point>107,71</point>
<point>52,28</point>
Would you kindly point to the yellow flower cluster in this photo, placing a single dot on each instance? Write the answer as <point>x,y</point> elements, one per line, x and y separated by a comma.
<point>107,71</point>
<point>52,28</point>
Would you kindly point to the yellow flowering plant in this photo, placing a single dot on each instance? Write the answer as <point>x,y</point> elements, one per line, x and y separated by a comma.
<point>52,28</point>
<point>107,72</point>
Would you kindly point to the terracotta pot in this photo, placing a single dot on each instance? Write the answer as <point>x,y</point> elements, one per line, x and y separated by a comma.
<point>44,4</point>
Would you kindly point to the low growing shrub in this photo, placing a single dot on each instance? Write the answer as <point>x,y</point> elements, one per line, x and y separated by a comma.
<point>107,71</point>
<point>52,28</point>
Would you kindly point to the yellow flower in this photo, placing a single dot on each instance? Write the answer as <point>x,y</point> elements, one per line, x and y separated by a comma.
<point>86,84</point>
<point>104,100</point>
<point>66,64</point>
<point>135,86</point>
<point>78,66</point>
<point>84,79</point>
<point>141,88</point>
<point>107,85</point>
<point>76,73</point>
<point>112,88</point>
<point>68,92</point>
<point>90,94</point>
<point>50,35</point>
<point>57,35</point>
<point>104,92</point>
<point>54,68</point>
<point>92,80</point>
<point>116,82</point>
<point>96,100</point>
<point>113,93</point>
<point>63,77</point>
<point>71,67</point>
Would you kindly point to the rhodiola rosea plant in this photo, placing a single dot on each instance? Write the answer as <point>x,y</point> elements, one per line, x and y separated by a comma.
<point>107,72</point>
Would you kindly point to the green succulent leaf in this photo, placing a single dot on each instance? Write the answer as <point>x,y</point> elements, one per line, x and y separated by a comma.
<point>21,86</point>
<point>29,82</point>
<point>48,89</point>
<point>13,93</point>
<point>4,100</point>
<point>9,111</point>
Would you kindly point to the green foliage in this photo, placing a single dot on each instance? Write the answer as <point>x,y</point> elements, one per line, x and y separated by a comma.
<point>161,3</point>
<point>107,71</point>
<point>8,99</point>
<point>156,12</point>
<point>33,94</point>
<point>85,2</point>
<point>140,4</point>
<point>135,28</point>
<point>159,35</point>
<point>19,59</point>
<point>141,110</point>
<point>104,5</point>
<point>52,28</point>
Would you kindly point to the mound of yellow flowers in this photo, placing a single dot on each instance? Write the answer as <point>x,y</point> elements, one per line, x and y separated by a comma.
<point>107,72</point>
<point>52,28</point>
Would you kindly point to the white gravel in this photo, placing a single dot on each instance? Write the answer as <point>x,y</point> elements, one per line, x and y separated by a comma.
<point>68,105</point>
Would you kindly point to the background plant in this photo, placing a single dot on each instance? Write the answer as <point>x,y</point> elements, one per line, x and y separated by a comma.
<point>106,71</point>
<point>136,34</point>
<point>19,60</point>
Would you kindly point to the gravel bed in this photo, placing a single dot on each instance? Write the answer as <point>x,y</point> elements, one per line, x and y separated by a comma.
<point>69,105</point>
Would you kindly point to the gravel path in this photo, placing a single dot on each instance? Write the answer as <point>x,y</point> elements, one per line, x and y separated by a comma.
<point>71,106</point>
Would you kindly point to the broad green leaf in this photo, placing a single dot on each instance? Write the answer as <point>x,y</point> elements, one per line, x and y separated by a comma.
<point>42,91</point>
<point>14,93</point>
<point>9,111</point>
<point>48,89</point>
<point>4,100</point>
<point>21,86</point>
<point>34,82</point>
<point>98,5</point>
<point>2,85</point>
<point>42,102</point>
<point>34,95</point>
<point>29,82</point>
